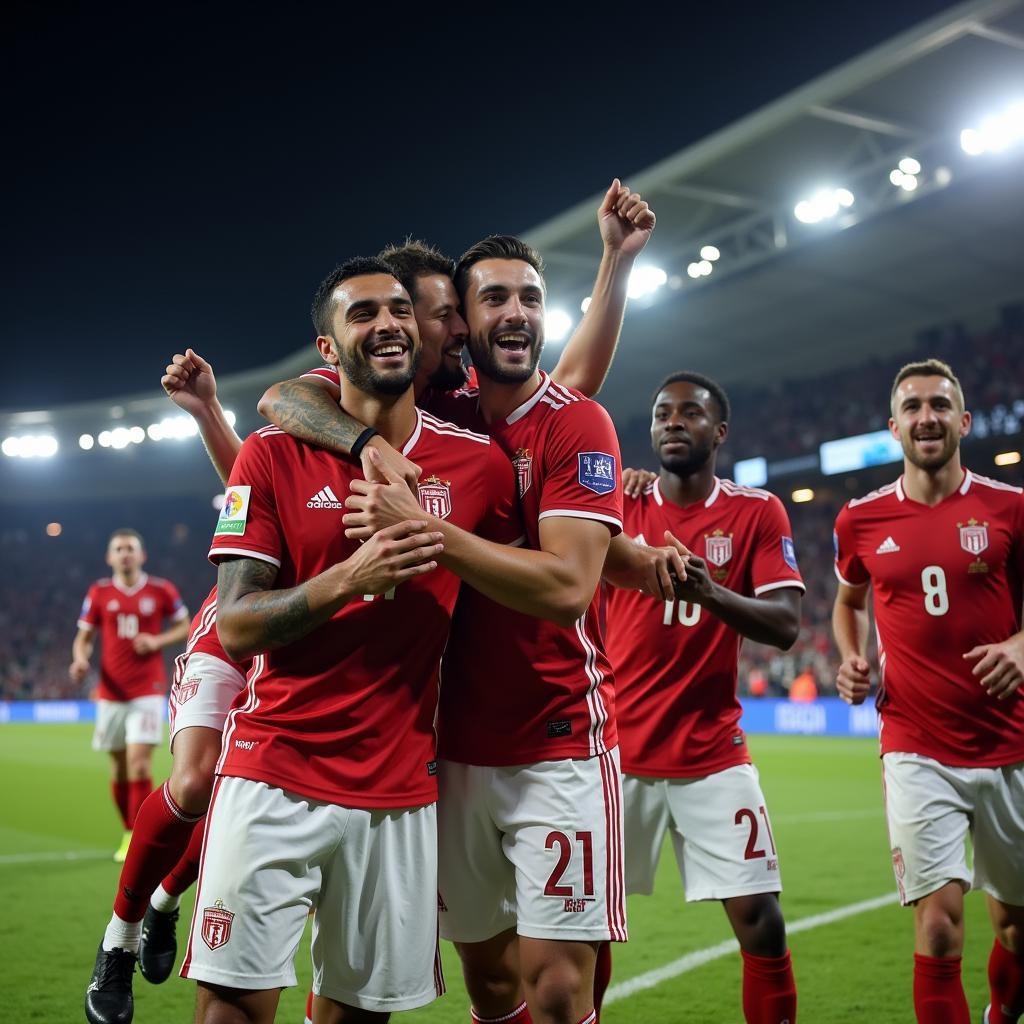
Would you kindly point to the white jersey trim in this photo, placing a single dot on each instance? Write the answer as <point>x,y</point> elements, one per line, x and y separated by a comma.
<point>518,414</point>
<point>734,490</point>
<point>129,591</point>
<point>882,492</point>
<point>252,702</point>
<point>415,436</point>
<point>571,513</point>
<point>985,481</point>
<point>245,552</point>
<point>779,585</point>
<point>598,712</point>
<point>847,583</point>
<point>439,426</point>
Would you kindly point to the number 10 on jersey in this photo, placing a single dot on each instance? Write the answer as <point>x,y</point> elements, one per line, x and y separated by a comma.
<point>688,614</point>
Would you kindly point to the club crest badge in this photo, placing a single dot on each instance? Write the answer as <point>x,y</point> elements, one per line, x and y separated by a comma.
<point>147,606</point>
<point>596,471</point>
<point>217,925</point>
<point>897,862</point>
<point>523,463</point>
<point>718,547</point>
<point>188,689</point>
<point>435,497</point>
<point>973,536</point>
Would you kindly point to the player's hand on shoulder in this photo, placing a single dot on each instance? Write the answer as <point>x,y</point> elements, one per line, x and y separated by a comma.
<point>635,480</point>
<point>391,556</point>
<point>625,219</point>
<point>145,643</point>
<point>853,680</point>
<point>999,667</point>
<point>379,459</point>
<point>375,506</point>
<point>189,382</point>
<point>78,670</point>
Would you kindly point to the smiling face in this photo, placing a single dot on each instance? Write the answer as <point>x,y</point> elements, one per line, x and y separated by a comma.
<point>375,342</point>
<point>685,427</point>
<point>505,312</point>
<point>928,420</point>
<point>442,331</point>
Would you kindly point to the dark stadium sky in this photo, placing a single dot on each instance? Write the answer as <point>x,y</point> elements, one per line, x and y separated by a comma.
<point>185,174</point>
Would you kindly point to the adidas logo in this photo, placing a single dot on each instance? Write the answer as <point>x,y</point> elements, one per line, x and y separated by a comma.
<point>887,547</point>
<point>324,498</point>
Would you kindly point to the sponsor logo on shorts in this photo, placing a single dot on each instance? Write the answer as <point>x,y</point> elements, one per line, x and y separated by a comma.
<point>246,744</point>
<point>217,925</point>
<point>574,905</point>
<point>561,727</point>
<point>188,689</point>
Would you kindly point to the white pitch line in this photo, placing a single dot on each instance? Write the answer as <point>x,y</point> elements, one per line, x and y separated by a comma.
<point>51,856</point>
<point>690,962</point>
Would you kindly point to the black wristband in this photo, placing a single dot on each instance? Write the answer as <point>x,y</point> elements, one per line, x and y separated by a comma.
<point>360,442</point>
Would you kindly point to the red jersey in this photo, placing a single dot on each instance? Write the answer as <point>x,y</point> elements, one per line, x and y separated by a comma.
<point>676,663</point>
<point>518,689</point>
<point>945,579</point>
<point>203,639</point>
<point>120,614</point>
<point>346,714</point>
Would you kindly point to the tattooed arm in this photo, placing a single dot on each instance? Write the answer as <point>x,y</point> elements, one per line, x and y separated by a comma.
<point>308,409</point>
<point>253,617</point>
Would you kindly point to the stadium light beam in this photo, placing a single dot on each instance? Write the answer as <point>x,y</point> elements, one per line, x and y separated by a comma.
<point>802,495</point>
<point>1007,458</point>
<point>30,446</point>
<point>86,441</point>
<point>557,324</point>
<point>710,252</point>
<point>996,133</point>
<point>646,280</point>
<point>823,205</point>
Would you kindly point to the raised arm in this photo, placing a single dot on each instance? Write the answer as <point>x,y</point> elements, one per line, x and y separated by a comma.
<point>308,409</point>
<point>253,617</point>
<point>190,384</point>
<point>626,223</point>
<point>850,627</point>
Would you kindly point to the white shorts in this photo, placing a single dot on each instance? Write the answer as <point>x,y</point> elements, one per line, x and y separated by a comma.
<point>931,809</point>
<point>370,877</point>
<point>120,723</point>
<point>720,829</point>
<point>533,847</point>
<point>204,688</point>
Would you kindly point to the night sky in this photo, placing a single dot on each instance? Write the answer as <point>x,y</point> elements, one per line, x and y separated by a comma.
<point>179,175</point>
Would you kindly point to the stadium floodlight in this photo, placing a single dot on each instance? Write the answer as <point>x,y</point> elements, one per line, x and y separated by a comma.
<point>120,437</point>
<point>823,205</point>
<point>802,494</point>
<point>230,417</point>
<point>996,133</point>
<point>557,324</point>
<point>710,252</point>
<point>693,270</point>
<point>54,529</point>
<point>705,267</point>
<point>86,441</point>
<point>943,176</point>
<point>908,165</point>
<point>1007,458</point>
<point>905,180</point>
<point>30,446</point>
<point>585,304</point>
<point>104,439</point>
<point>178,427</point>
<point>646,280</point>
<point>136,435</point>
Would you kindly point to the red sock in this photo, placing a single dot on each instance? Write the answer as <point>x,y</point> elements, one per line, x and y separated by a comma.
<point>602,975</point>
<point>591,1018</point>
<point>1006,984</point>
<point>186,871</point>
<point>520,1015</point>
<point>119,791</point>
<point>162,831</point>
<point>769,989</point>
<point>138,790</point>
<point>938,994</point>
<point>309,1001</point>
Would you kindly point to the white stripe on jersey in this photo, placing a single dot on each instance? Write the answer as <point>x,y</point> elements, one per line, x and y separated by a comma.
<point>874,495</point>
<point>996,485</point>
<point>269,431</point>
<point>252,702</point>
<point>562,393</point>
<point>598,712</point>
<point>444,428</point>
<point>739,491</point>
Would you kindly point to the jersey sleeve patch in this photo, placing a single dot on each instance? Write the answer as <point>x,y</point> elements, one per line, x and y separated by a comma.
<point>789,553</point>
<point>235,511</point>
<point>597,471</point>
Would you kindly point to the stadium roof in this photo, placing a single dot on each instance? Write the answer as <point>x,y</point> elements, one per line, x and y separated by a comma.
<point>786,298</point>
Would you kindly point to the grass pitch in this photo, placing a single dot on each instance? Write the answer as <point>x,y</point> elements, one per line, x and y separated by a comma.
<point>58,828</point>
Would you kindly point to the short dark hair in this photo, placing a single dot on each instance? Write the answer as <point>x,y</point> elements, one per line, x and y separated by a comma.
<point>495,247</point>
<point>126,531</point>
<point>926,368</point>
<point>712,387</point>
<point>414,259</point>
<point>323,301</point>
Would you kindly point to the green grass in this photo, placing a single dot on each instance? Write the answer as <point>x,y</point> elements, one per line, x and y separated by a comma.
<point>826,805</point>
